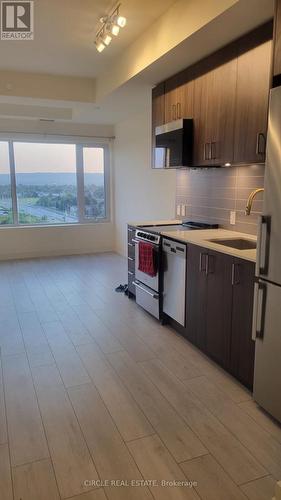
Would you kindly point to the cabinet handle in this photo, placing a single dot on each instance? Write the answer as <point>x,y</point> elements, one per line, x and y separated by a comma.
<point>260,144</point>
<point>130,245</point>
<point>178,109</point>
<point>201,269</point>
<point>131,273</point>
<point>130,230</point>
<point>174,112</point>
<point>134,241</point>
<point>206,151</point>
<point>234,279</point>
<point>130,258</point>
<point>213,151</point>
<point>207,265</point>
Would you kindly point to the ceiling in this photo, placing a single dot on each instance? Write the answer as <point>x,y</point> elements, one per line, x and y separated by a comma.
<point>64,36</point>
<point>67,49</point>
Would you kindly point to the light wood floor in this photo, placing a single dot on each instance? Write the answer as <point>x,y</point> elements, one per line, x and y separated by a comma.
<point>94,391</point>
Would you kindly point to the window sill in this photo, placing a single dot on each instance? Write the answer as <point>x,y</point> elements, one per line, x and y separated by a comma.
<point>68,225</point>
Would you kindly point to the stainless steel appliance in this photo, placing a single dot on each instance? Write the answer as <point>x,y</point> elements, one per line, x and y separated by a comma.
<point>174,144</point>
<point>267,303</point>
<point>174,279</point>
<point>149,289</point>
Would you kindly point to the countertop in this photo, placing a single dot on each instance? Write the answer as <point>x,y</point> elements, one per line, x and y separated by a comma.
<point>200,237</point>
<point>155,222</point>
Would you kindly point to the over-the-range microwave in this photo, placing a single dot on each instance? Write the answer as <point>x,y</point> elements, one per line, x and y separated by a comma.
<point>174,144</point>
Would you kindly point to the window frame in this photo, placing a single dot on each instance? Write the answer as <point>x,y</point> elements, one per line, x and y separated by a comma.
<point>79,143</point>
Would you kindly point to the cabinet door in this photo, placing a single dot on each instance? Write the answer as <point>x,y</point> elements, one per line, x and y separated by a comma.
<point>242,345</point>
<point>214,109</point>
<point>158,105</point>
<point>221,112</point>
<point>158,115</point>
<point>219,303</point>
<point>178,98</point>
<point>253,82</point>
<point>196,288</point>
<point>277,39</point>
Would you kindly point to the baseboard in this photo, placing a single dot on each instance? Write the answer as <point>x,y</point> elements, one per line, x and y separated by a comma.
<point>52,253</point>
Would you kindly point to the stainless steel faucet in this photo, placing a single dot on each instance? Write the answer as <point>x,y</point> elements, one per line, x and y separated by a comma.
<point>251,199</point>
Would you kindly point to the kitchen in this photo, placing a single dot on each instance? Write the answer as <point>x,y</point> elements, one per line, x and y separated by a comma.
<point>215,284</point>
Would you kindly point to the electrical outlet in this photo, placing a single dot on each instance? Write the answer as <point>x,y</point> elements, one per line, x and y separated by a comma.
<point>178,210</point>
<point>232,218</point>
<point>183,210</point>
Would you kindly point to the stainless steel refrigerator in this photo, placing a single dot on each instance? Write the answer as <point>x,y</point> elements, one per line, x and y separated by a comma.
<point>267,303</point>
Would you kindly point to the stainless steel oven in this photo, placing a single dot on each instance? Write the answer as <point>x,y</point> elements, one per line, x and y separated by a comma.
<point>148,287</point>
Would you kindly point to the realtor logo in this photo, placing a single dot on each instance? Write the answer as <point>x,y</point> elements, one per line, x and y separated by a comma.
<point>17,20</point>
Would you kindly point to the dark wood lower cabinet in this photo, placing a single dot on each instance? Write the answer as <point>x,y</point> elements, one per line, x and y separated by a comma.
<point>218,310</point>
<point>196,297</point>
<point>219,305</point>
<point>242,346</point>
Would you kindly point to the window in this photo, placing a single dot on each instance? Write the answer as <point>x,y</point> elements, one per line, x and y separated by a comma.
<point>52,183</point>
<point>94,185</point>
<point>6,212</point>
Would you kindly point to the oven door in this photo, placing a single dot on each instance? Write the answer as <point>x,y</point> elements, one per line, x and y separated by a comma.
<point>150,281</point>
<point>147,298</point>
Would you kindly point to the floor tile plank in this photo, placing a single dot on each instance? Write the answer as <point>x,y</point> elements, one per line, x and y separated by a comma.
<point>6,489</point>
<point>177,436</point>
<point>227,450</point>
<point>156,463</point>
<point>127,415</point>
<point>35,481</point>
<point>261,489</point>
<point>25,429</point>
<point>212,481</point>
<point>69,453</point>
<point>256,439</point>
<point>111,456</point>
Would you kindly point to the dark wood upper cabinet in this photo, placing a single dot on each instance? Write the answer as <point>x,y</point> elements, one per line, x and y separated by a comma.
<point>226,94</point>
<point>158,105</point>
<point>277,42</point>
<point>158,114</point>
<point>214,106</point>
<point>179,99</point>
<point>253,83</point>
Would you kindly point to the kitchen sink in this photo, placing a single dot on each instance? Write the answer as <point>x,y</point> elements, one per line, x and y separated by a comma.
<point>238,243</point>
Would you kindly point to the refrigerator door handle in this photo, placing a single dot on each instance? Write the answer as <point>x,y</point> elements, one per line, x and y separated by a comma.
<point>265,227</point>
<point>259,310</point>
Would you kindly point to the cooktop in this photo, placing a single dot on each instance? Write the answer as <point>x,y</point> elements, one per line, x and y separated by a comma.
<point>185,226</point>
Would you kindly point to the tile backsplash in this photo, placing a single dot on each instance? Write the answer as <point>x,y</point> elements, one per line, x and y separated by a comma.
<point>211,194</point>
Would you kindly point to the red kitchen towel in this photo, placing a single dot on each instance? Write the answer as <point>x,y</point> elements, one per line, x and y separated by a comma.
<point>147,261</point>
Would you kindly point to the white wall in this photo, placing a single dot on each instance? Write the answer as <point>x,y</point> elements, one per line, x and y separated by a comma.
<point>141,193</point>
<point>24,242</point>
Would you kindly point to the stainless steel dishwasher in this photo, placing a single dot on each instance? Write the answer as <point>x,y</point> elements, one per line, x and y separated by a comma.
<point>174,279</point>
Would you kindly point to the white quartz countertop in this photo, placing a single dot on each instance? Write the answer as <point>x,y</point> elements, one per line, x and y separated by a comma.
<point>201,237</point>
<point>154,222</point>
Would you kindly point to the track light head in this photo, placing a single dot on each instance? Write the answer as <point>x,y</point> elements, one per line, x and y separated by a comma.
<point>100,46</point>
<point>111,25</point>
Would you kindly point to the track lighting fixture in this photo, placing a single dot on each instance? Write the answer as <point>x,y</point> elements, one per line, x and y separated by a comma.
<point>111,25</point>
